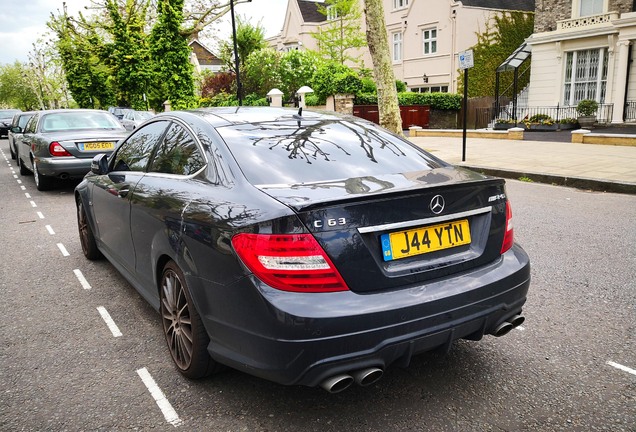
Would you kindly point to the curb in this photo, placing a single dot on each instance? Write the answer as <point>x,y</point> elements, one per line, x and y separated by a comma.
<point>574,182</point>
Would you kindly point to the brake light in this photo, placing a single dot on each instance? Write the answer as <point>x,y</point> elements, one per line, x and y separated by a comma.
<point>56,149</point>
<point>289,262</point>
<point>509,239</point>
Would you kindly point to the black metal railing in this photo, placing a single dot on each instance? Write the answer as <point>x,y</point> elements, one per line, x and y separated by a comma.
<point>556,113</point>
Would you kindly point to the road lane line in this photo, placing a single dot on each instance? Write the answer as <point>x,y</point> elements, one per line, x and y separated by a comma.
<point>23,187</point>
<point>169,413</point>
<point>621,367</point>
<point>63,249</point>
<point>33,204</point>
<point>109,321</point>
<point>50,230</point>
<point>82,280</point>
<point>19,181</point>
<point>28,195</point>
<point>40,215</point>
<point>15,176</point>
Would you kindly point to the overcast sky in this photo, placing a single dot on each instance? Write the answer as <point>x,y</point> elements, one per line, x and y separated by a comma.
<point>22,22</point>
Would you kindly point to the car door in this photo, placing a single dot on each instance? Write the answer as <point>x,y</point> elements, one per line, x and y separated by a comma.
<point>161,197</point>
<point>113,192</point>
<point>23,142</point>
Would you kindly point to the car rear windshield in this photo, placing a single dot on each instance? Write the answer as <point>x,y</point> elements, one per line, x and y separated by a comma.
<point>78,120</point>
<point>291,152</point>
<point>8,113</point>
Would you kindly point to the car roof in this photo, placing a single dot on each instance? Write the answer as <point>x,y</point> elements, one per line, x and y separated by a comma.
<point>227,116</point>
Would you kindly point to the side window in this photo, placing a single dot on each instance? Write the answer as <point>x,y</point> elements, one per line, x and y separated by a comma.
<point>134,153</point>
<point>30,126</point>
<point>178,153</point>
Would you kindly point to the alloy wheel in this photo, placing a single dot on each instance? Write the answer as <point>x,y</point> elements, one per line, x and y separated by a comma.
<point>177,321</point>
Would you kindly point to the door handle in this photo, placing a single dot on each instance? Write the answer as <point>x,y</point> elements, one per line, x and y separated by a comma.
<point>122,193</point>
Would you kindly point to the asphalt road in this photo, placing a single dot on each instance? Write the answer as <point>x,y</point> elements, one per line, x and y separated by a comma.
<point>62,367</point>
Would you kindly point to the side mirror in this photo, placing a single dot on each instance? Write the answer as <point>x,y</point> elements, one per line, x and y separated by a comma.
<point>99,164</point>
<point>16,129</point>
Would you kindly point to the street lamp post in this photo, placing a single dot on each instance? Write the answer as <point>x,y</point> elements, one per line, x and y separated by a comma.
<point>236,58</point>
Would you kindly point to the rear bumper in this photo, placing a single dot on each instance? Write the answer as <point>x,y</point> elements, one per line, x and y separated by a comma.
<point>66,167</point>
<point>294,338</point>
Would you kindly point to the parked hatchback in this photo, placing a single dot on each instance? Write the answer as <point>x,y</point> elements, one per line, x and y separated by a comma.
<point>59,144</point>
<point>307,249</point>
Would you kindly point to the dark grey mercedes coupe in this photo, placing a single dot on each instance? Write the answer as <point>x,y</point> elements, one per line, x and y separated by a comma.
<point>305,248</point>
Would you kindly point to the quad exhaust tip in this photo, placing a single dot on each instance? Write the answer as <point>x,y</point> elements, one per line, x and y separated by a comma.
<point>505,327</point>
<point>362,377</point>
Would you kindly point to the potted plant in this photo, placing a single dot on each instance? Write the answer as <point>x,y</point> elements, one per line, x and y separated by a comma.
<point>540,122</point>
<point>587,112</point>
<point>504,123</point>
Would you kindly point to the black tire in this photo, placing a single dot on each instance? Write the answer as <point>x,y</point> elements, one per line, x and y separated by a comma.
<point>13,155</point>
<point>87,239</point>
<point>23,170</point>
<point>42,183</point>
<point>185,335</point>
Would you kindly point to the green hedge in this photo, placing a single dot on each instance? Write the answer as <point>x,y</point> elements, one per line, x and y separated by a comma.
<point>440,101</point>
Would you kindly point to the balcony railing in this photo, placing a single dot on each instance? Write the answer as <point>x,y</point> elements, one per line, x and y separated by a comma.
<point>592,20</point>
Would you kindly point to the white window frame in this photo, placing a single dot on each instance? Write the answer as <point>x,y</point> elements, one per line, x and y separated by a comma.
<point>430,42</point>
<point>332,13</point>
<point>396,39</point>
<point>400,4</point>
<point>578,5</point>
<point>585,76</point>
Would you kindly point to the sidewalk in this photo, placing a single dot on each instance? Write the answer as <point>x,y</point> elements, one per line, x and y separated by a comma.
<point>585,166</point>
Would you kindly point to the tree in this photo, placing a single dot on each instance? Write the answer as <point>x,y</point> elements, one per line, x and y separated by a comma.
<point>261,71</point>
<point>297,69</point>
<point>342,33</point>
<point>170,55</point>
<point>382,67</point>
<point>249,38</point>
<point>128,54</point>
<point>15,88</point>
<point>501,37</point>
<point>78,47</point>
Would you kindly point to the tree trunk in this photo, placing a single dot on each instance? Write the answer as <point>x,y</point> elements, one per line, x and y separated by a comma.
<point>382,66</point>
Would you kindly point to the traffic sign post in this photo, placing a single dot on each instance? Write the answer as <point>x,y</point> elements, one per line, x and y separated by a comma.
<point>466,61</point>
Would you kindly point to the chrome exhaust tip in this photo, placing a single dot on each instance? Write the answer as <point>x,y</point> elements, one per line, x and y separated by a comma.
<point>517,320</point>
<point>502,329</point>
<point>338,383</point>
<point>368,376</point>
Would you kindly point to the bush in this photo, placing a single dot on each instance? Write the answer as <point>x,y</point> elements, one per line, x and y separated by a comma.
<point>587,107</point>
<point>400,86</point>
<point>439,101</point>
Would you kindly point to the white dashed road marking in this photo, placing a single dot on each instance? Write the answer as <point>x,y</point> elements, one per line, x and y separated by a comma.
<point>28,195</point>
<point>169,413</point>
<point>82,279</point>
<point>621,367</point>
<point>50,230</point>
<point>40,215</point>
<point>33,204</point>
<point>63,249</point>
<point>109,321</point>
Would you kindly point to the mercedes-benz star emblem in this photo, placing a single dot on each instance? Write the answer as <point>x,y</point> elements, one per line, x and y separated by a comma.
<point>437,204</point>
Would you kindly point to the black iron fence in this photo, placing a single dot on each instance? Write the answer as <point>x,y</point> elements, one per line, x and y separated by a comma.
<point>557,113</point>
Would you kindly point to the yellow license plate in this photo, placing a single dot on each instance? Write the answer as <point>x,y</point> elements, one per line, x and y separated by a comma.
<point>97,146</point>
<point>423,240</point>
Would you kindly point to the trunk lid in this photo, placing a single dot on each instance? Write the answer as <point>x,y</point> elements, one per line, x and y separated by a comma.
<point>393,231</point>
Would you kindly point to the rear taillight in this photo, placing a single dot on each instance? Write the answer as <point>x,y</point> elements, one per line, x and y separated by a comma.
<point>289,262</point>
<point>509,237</point>
<point>56,149</point>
